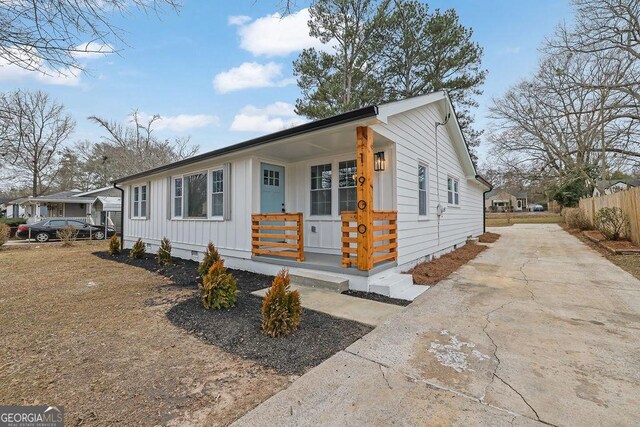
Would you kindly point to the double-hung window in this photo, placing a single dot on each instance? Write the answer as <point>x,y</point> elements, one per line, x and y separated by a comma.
<point>347,193</point>
<point>195,195</point>
<point>177,197</point>
<point>139,201</point>
<point>423,190</point>
<point>217,193</point>
<point>453,196</point>
<point>321,189</point>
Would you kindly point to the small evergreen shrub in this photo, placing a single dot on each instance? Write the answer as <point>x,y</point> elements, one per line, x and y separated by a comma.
<point>612,222</point>
<point>219,288</point>
<point>4,234</point>
<point>164,253</point>
<point>138,250</point>
<point>281,308</point>
<point>575,218</point>
<point>67,235</point>
<point>114,245</point>
<point>211,256</point>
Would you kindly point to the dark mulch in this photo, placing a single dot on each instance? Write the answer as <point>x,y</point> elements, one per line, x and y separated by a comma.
<point>431,272</point>
<point>183,273</point>
<point>376,297</point>
<point>238,330</point>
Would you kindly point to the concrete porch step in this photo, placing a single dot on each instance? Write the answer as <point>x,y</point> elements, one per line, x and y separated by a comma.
<point>322,281</point>
<point>397,285</point>
<point>365,311</point>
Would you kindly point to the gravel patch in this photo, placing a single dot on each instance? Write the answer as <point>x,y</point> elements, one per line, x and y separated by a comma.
<point>237,330</point>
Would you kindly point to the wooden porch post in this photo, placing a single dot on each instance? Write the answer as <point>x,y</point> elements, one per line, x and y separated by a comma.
<point>364,206</point>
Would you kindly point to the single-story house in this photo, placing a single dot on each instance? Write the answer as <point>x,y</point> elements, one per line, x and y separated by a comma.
<point>8,209</point>
<point>365,195</point>
<point>100,206</point>
<point>498,200</point>
<point>610,186</point>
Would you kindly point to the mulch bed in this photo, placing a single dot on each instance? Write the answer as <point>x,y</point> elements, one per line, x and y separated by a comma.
<point>238,330</point>
<point>594,235</point>
<point>376,297</point>
<point>431,272</point>
<point>488,237</point>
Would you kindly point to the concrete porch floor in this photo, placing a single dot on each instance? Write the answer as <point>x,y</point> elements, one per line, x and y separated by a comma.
<point>323,262</point>
<point>361,310</point>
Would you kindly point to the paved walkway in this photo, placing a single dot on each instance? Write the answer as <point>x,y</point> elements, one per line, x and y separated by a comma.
<point>538,329</point>
<point>361,310</point>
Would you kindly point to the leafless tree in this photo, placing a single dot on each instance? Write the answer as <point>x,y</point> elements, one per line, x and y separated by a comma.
<point>552,127</point>
<point>127,149</point>
<point>34,129</point>
<point>54,33</point>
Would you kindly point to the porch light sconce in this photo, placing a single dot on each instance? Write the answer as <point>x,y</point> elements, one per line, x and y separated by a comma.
<point>378,161</point>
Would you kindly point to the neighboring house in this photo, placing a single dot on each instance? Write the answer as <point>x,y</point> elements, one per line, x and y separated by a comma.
<point>604,187</point>
<point>9,209</point>
<point>101,206</point>
<point>505,201</point>
<point>365,195</point>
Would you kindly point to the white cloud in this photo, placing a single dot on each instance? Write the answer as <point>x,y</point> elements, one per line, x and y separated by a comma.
<point>272,118</point>
<point>92,50</point>
<point>238,20</point>
<point>182,122</point>
<point>510,50</point>
<point>251,75</point>
<point>275,35</point>
<point>43,74</point>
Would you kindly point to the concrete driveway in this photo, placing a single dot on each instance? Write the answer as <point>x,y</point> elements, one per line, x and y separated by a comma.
<point>538,329</point>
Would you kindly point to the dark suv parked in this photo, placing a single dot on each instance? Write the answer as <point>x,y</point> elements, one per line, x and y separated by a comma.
<point>47,229</point>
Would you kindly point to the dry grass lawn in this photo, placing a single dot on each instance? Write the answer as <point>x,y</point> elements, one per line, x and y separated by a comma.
<point>507,219</point>
<point>91,335</point>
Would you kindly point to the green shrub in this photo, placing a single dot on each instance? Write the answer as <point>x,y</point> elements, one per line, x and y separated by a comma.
<point>67,235</point>
<point>13,222</point>
<point>211,256</point>
<point>4,234</point>
<point>612,222</point>
<point>281,308</point>
<point>138,250</point>
<point>219,288</point>
<point>164,253</point>
<point>575,218</point>
<point>114,245</point>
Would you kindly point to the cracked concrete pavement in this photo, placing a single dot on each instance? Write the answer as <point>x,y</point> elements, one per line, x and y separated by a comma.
<point>539,329</point>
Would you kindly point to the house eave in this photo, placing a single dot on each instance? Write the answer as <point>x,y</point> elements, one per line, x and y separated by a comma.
<point>351,116</point>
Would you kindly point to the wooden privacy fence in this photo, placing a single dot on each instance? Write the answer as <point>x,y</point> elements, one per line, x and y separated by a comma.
<point>628,201</point>
<point>280,234</point>
<point>385,237</point>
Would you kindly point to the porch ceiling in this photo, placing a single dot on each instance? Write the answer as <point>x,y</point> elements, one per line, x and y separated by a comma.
<point>334,140</point>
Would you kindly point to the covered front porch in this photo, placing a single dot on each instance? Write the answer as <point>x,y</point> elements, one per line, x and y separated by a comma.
<point>326,202</point>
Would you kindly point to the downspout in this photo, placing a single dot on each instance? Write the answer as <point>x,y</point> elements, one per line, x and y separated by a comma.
<point>484,195</point>
<point>115,185</point>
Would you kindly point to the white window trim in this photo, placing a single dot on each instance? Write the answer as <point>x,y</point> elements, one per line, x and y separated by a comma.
<point>133,201</point>
<point>349,159</point>
<point>210,193</point>
<point>454,180</point>
<point>209,216</point>
<point>425,216</point>
<point>331,189</point>
<point>172,202</point>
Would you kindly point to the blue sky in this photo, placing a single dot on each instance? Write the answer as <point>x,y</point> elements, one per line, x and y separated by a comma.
<point>221,71</point>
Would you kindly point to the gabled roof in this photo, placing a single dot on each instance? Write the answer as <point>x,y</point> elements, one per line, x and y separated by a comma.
<point>381,112</point>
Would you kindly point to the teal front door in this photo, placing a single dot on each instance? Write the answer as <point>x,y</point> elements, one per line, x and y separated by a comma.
<point>271,188</point>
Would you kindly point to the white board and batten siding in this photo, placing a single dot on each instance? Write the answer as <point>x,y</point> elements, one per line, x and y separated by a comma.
<point>232,236</point>
<point>418,236</point>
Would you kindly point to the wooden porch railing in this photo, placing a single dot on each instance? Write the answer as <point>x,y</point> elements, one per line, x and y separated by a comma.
<point>385,243</point>
<point>278,236</point>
